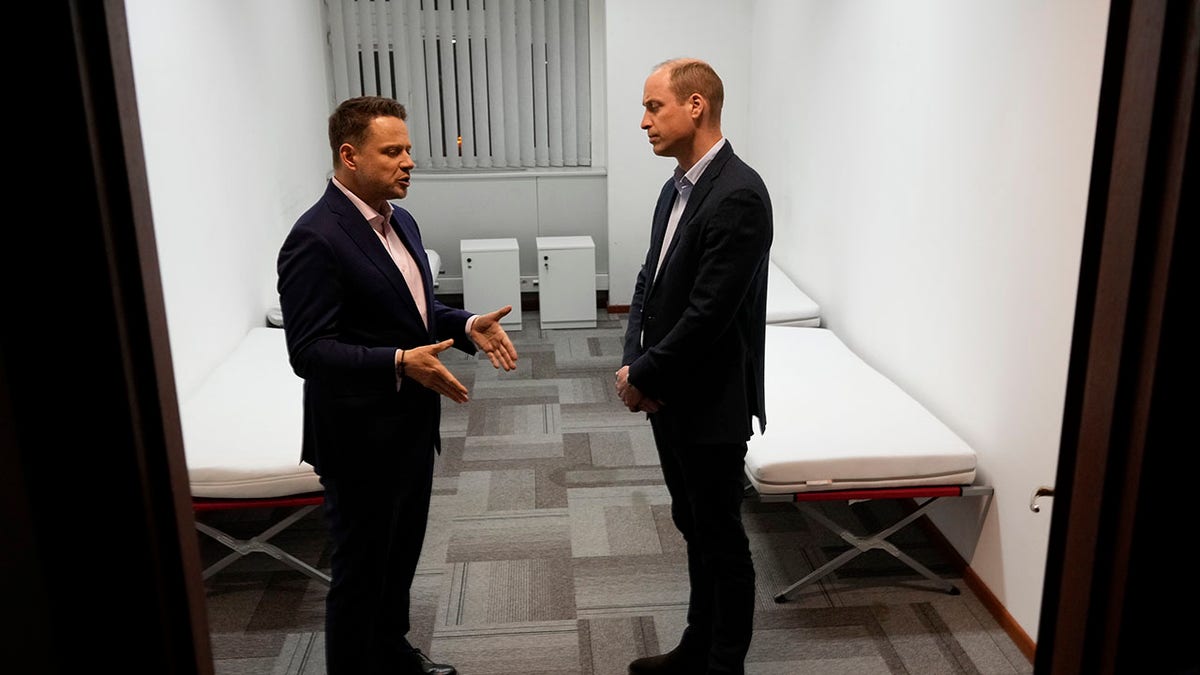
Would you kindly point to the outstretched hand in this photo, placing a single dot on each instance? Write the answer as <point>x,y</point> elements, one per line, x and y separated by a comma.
<point>489,335</point>
<point>422,364</point>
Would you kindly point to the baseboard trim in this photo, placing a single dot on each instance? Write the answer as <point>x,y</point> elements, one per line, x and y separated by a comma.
<point>618,309</point>
<point>992,604</point>
<point>988,599</point>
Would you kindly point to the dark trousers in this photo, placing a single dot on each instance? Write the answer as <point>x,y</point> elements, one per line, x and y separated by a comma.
<point>377,525</point>
<point>706,486</point>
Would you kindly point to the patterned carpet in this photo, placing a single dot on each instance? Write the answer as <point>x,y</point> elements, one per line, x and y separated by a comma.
<point>551,551</point>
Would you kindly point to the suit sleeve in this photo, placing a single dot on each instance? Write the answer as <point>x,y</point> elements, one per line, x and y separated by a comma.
<point>452,323</point>
<point>311,292</point>
<point>633,328</point>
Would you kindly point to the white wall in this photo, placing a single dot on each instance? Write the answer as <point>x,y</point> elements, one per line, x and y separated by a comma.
<point>929,164</point>
<point>520,205</point>
<point>640,36</point>
<point>233,101</point>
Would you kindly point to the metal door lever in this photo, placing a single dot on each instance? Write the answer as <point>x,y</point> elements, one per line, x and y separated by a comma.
<point>1043,491</point>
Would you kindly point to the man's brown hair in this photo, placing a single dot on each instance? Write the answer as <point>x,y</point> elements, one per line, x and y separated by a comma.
<point>348,124</point>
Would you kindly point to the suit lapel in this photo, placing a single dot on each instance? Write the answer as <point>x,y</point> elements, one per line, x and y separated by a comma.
<point>698,194</point>
<point>364,236</point>
<point>658,229</point>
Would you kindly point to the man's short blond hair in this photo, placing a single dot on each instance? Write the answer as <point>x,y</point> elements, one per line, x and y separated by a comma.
<point>693,76</point>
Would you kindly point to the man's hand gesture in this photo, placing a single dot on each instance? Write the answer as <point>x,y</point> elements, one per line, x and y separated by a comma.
<point>489,335</point>
<point>423,365</point>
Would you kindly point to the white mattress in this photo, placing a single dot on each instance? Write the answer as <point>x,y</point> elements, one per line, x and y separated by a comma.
<point>242,428</point>
<point>435,264</point>
<point>836,423</point>
<point>787,305</point>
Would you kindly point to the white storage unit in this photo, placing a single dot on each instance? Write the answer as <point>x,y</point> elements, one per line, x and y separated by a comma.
<point>566,282</point>
<point>491,278</point>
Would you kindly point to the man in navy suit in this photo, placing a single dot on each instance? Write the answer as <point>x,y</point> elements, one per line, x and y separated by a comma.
<point>364,330</point>
<point>693,356</point>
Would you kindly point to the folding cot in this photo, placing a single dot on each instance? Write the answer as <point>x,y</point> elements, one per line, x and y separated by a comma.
<point>787,305</point>
<point>840,430</point>
<point>242,432</point>
<point>241,435</point>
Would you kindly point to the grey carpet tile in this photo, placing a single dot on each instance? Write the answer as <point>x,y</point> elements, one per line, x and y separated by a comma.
<point>542,366</point>
<point>592,508</point>
<point>607,645</point>
<point>455,419</point>
<point>580,353</point>
<point>511,490</point>
<point>494,592</point>
<point>606,476</point>
<point>545,648</point>
<point>551,551</point>
<point>631,529</point>
<point>620,585</point>
<point>607,416</point>
<point>244,646</point>
<point>526,446</point>
<point>632,446</point>
<point>302,654</point>
<point>524,391</point>
<point>590,388</point>
<point>660,629</point>
<point>542,533</point>
<point>507,424</point>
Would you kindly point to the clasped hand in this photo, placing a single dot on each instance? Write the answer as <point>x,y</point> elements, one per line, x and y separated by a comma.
<point>631,396</point>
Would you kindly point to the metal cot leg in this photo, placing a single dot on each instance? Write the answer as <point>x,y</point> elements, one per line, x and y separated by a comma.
<point>862,544</point>
<point>259,544</point>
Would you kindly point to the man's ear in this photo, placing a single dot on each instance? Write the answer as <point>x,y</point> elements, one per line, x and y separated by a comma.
<point>698,105</point>
<point>346,154</point>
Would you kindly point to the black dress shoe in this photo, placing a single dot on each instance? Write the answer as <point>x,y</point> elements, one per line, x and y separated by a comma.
<point>424,665</point>
<point>678,661</point>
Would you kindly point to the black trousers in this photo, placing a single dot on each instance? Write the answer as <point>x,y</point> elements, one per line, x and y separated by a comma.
<point>377,525</point>
<point>706,482</point>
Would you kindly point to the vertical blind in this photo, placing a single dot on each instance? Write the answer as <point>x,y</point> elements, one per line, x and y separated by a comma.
<point>487,83</point>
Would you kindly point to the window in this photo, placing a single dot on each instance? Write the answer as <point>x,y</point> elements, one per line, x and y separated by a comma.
<point>487,83</point>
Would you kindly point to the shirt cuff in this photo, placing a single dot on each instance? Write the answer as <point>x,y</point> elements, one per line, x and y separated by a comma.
<point>471,324</point>
<point>396,369</point>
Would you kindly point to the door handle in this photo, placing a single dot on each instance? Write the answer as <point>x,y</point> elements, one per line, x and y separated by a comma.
<point>1043,491</point>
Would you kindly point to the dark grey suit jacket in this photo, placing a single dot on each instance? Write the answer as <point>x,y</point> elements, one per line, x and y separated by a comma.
<point>346,309</point>
<point>696,333</point>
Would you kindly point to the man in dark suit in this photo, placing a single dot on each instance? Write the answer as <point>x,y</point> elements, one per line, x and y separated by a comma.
<point>364,330</point>
<point>694,355</point>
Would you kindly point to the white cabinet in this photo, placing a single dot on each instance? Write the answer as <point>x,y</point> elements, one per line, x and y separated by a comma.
<point>491,276</point>
<point>566,282</point>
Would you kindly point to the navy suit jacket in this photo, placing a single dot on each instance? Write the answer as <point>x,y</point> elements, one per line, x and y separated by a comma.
<point>346,309</point>
<point>696,334</point>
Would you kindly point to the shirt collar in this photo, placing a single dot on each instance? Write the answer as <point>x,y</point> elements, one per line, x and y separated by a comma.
<point>373,217</point>
<point>685,180</point>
